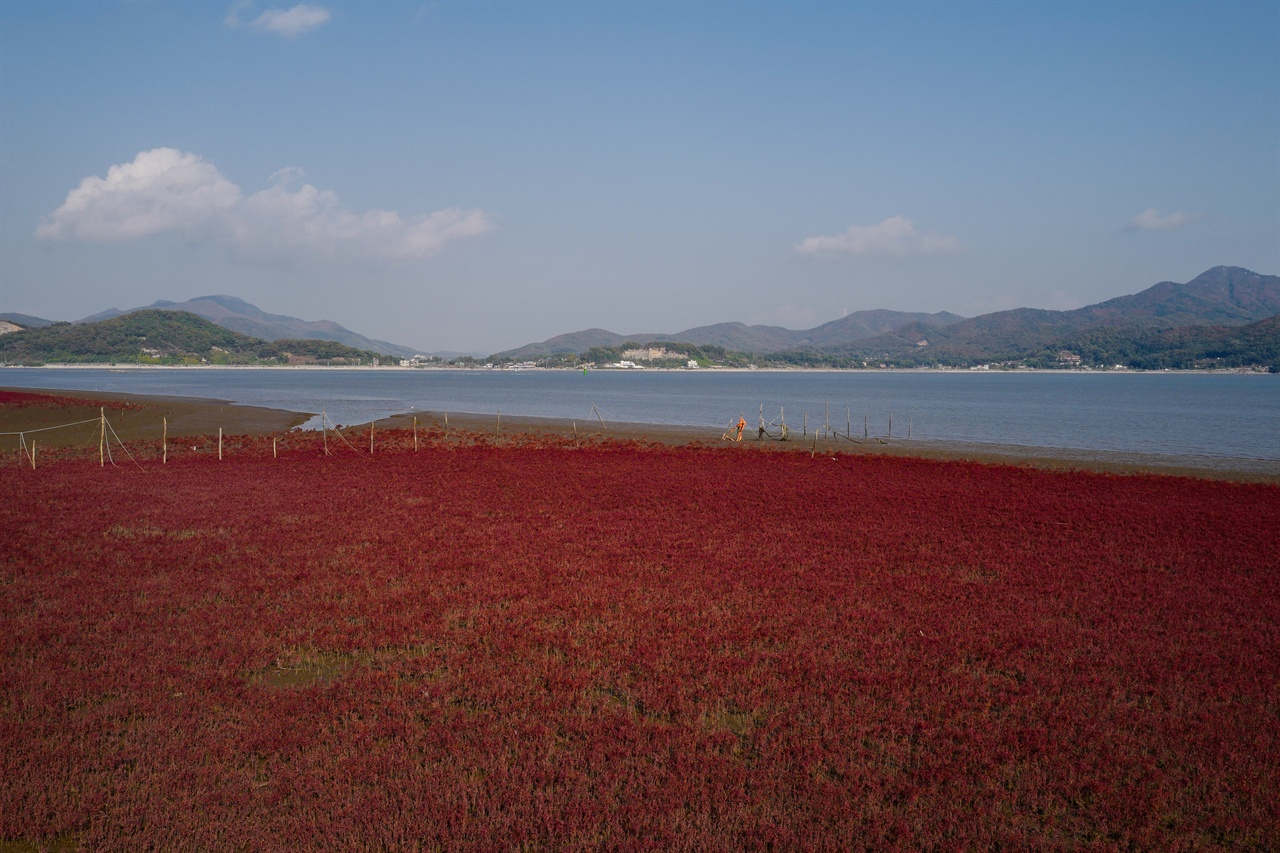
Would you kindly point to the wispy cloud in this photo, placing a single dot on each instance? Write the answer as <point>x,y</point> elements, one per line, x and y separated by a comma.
<point>169,191</point>
<point>790,315</point>
<point>289,23</point>
<point>896,236</point>
<point>1152,220</point>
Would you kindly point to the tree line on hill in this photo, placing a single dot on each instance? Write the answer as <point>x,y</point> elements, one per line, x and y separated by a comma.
<point>1253,346</point>
<point>165,337</point>
<point>1224,317</point>
<point>172,337</point>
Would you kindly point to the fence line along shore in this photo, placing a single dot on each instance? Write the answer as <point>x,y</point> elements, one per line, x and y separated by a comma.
<point>137,418</point>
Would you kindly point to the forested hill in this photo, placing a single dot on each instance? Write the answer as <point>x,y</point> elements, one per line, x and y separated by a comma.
<point>164,337</point>
<point>739,337</point>
<point>1221,296</point>
<point>1227,317</point>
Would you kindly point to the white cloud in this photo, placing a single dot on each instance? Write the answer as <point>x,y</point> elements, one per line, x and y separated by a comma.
<point>1152,220</point>
<point>1061,300</point>
<point>170,191</point>
<point>161,190</point>
<point>896,237</point>
<point>289,23</point>
<point>287,175</point>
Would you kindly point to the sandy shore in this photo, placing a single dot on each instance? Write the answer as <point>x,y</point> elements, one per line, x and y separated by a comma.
<point>144,420</point>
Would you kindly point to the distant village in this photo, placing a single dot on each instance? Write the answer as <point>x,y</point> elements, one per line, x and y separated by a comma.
<point>653,356</point>
<point>663,358</point>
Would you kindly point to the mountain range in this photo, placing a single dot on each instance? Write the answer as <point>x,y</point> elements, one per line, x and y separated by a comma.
<point>743,338</point>
<point>1221,298</point>
<point>237,315</point>
<point>157,336</point>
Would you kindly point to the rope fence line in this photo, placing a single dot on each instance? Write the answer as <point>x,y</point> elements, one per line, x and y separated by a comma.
<point>121,443</point>
<point>324,418</point>
<point>47,429</point>
<point>327,425</point>
<point>30,450</point>
<point>778,430</point>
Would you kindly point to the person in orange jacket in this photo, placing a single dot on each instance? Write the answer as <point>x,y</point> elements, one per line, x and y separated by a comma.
<point>742,424</point>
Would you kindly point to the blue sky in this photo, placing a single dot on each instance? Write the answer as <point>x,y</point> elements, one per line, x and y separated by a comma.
<point>477,176</point>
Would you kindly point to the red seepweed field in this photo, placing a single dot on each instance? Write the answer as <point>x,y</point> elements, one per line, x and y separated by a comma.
<point>545,645</point>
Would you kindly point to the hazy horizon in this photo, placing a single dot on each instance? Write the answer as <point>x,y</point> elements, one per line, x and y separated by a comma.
<point>476,177</point>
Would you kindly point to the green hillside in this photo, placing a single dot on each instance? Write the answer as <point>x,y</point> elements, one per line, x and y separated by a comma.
<point>1256,346</point>
<point>164,337</point>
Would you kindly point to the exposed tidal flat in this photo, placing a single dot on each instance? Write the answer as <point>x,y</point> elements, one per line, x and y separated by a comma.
<point>1222,424</point>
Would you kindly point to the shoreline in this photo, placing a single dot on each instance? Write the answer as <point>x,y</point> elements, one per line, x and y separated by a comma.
<point>193,416</point>
<point>1048,458</point>
<point>1234,371</point>
<point>148,418</point>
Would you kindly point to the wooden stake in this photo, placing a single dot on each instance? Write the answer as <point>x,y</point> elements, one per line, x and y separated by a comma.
<point>848,423</point>
<point>415,433</point>
<point>804,429</point>
<point>865,432</point>
<point>324,432</point>
<point>273,448</point>
<point>219,444</point>
<point>102,439</point>
<point>33,454</point>
<point>370,438</point>
<point>164,442</point>
<point>908,428</point>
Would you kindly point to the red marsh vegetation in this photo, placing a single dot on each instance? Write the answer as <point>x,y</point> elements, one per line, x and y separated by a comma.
<point>25,399</point>
<point>544,645</point>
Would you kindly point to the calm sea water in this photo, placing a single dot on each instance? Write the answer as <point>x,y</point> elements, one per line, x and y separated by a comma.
<point>1183,414</point>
